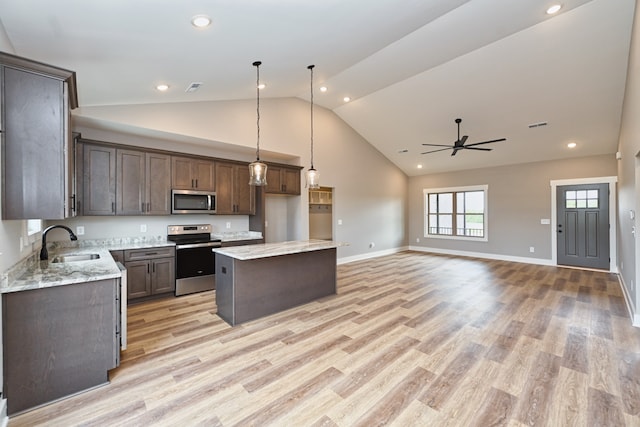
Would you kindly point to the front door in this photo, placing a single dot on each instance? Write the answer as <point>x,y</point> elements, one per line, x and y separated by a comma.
<point>583,225</point>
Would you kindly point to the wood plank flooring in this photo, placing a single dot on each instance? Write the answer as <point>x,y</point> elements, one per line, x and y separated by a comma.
<point>411,339</point>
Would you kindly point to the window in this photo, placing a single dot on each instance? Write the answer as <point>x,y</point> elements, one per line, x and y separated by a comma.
<point>459,213</point>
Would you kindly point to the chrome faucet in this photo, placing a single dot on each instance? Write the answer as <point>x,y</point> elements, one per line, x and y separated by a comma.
<point>43,252</point>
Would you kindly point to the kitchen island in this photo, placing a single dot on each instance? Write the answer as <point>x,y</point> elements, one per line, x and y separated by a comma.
<point>259,280</point>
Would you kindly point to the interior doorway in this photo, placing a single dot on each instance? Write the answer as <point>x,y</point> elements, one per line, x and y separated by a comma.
<point>321,213</point>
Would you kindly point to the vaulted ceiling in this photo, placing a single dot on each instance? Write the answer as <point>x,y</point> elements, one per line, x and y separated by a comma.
<point>410,67</point>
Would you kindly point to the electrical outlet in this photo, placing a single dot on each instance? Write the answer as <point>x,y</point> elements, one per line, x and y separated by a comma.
<point>80,230</point>
<point>372,245</point>
<point>266,224</point>
<point>143,228</point>
<point>532,249</point>
<point>228,225</point>
<point>417,240</point>
<point>339,222</point>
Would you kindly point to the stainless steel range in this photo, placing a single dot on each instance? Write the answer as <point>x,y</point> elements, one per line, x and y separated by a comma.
<point>195,262</point>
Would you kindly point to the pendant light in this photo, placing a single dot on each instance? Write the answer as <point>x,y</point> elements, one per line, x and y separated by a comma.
<point>313,177</point>
<point>257,169</point>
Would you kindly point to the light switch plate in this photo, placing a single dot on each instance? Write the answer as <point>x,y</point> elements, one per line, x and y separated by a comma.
<point>545,221</point>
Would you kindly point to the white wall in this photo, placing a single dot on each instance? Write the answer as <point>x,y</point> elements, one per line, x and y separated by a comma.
<point>629,175</point>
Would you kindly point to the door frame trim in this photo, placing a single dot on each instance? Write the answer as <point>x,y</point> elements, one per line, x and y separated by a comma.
<point>613,247</point>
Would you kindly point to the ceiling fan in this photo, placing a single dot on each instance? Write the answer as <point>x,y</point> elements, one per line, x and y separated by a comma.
<point>459,144</point>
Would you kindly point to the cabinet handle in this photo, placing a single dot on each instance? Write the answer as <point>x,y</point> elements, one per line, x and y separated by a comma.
<point>196,183</point>
<point>148,206</point>
<point>151,253</point>
<point>73,203</point>
<point>148,271</point>
<point>142,207</point>
<point>113,206</point>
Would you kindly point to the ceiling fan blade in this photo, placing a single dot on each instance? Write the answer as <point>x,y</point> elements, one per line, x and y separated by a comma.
<point>435,151</point>
<point>464,139</point>
<point>486,142</point>
<point>466,147</point>
<point>455,150</point>
<point>438,145</point>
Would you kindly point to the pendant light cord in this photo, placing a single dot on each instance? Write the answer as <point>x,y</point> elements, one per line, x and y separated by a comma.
<point>310,67</point>
<point>257,65</point>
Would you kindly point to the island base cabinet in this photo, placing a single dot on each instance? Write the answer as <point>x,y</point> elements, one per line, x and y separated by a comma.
<point>250,289</point>
<point>57,342</point>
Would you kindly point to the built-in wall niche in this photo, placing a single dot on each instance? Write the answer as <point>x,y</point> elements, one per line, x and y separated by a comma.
<point>321,213</point>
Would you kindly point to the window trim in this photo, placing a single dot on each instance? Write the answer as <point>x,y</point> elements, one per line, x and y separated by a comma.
<point>469,188</point>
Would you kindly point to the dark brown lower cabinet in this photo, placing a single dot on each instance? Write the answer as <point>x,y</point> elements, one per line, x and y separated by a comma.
<point>150,271</point>
<point>58,341</point>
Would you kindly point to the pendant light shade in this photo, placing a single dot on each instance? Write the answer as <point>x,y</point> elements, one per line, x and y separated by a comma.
<point>257,169</point>
<point>312,175</point>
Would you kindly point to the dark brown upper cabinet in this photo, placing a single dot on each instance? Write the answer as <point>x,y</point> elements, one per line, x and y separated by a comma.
<point>283,180</point>
<point>188,173</point>
<point>37,146</point>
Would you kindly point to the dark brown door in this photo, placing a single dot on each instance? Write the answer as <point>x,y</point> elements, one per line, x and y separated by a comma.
<point>583,225</point>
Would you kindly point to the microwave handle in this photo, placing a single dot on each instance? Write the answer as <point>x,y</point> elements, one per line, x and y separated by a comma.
<point>209,202</point>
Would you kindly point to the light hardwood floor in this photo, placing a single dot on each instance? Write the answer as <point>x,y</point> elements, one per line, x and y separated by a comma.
<point>411,339</point>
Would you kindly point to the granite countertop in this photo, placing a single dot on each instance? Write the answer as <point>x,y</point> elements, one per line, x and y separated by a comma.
<point>46,274</point>
<point>275,249</point>
<point>32,273</point>
<point>230,236</point>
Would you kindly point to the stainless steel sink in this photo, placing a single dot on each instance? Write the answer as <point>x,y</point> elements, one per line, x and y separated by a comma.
<point>75,257</point>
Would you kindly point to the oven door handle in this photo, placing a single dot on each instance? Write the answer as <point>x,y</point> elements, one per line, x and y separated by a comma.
<point>199,245</point>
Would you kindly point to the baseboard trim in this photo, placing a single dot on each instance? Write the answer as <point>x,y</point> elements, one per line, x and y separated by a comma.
<point>526,260</point>
<point>635,317</point>
<point>362,257</point>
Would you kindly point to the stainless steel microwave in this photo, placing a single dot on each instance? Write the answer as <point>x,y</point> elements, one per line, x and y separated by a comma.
<point>193,202</point>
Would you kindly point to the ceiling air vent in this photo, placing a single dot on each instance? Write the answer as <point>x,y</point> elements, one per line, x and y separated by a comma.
<point>194,87</point>
<point>537,125</point>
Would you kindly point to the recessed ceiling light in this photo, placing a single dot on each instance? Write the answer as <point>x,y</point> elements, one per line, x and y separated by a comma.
<point>323,89</point>
<point>201,21</point>
<point>162,87</point>
<point>346,99</point>
<point>572,145</point>
<point>419,166</point>
<point>554,9</point>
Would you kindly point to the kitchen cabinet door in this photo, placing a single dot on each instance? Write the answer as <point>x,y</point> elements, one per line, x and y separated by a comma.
<point>283,180</point>
<point>138,279</point>
<point>37,157</point>
<point>130,189</point>
<point>234,195</point>
<point>244,193</point>
<point>192,174</point>
<point>143,183</point>
<point>158,184</point>
<point>99,180</point>
<point>163,275</point>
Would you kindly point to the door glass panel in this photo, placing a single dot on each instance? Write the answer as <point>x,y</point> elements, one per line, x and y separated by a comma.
<point>581,199</point>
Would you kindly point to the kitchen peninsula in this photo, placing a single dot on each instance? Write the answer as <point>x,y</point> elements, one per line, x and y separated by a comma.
<point>259,280</point>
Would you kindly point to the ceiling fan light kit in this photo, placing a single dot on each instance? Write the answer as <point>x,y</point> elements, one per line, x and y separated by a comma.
<point>459,144</point>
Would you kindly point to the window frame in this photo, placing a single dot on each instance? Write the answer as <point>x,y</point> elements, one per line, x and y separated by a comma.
<point>453,190</point>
